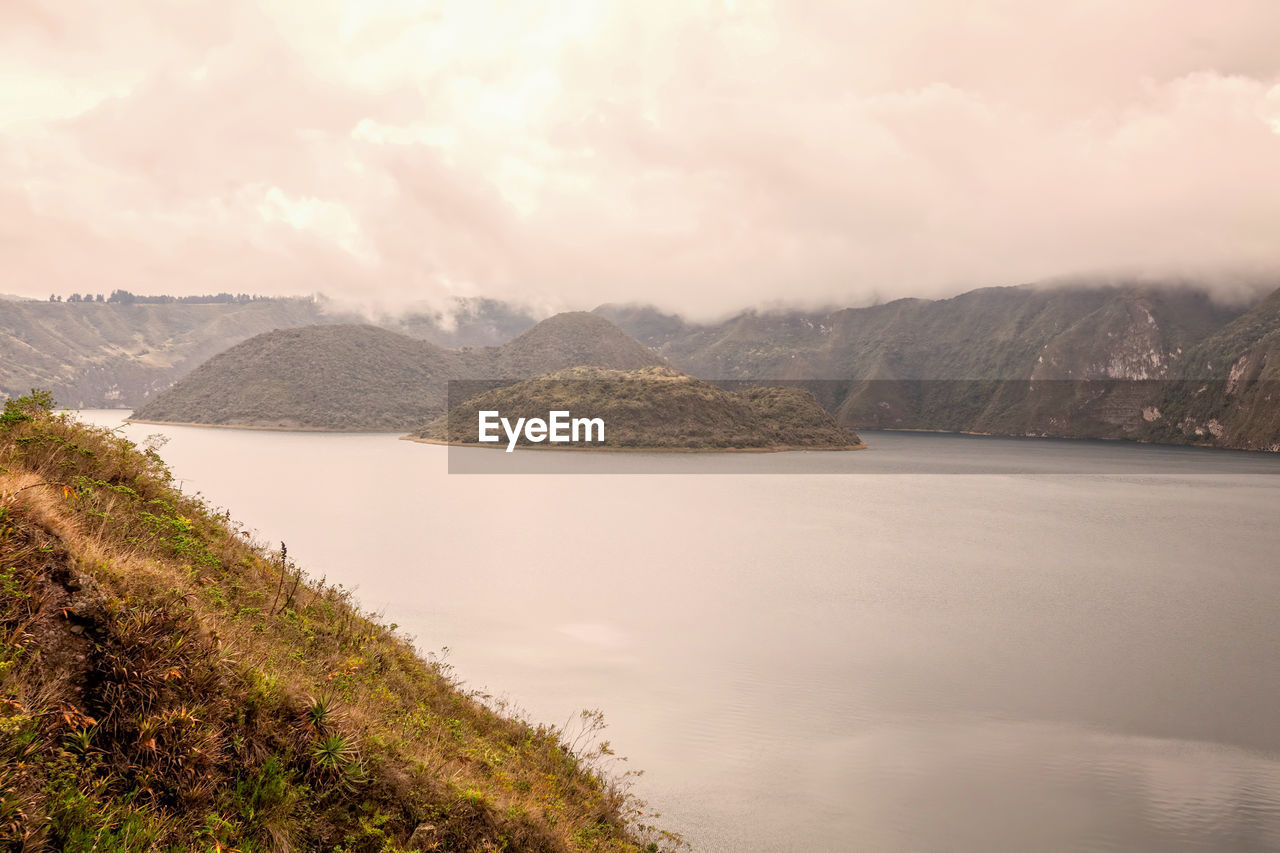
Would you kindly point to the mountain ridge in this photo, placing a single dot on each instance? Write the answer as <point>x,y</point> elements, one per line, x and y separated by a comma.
<point>1111,362</point>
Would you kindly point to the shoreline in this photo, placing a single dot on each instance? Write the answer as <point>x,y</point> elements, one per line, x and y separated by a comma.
<point>780,448</point>
<point>774,448</point>
<point>1112,439</point>
<point>267,428</point>
<point>770,449</point>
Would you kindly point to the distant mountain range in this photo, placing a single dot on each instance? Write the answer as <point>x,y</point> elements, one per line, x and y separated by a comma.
<point>993,333</point>
<point>1155,364</point>
<point>1144,362</point>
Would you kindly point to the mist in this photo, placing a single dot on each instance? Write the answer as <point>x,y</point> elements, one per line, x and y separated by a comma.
<point>700,157</point>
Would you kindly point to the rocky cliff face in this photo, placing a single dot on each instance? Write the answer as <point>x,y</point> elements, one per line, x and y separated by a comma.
<point>1231,392</point>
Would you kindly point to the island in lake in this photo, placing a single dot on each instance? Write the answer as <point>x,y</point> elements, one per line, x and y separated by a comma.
<point>651,408</point>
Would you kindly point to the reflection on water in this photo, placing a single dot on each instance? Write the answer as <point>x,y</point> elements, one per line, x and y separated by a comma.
<point>912,661</point>
<point>998,786</point>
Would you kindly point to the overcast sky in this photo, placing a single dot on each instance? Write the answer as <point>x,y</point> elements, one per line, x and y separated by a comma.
<point>699,156</point>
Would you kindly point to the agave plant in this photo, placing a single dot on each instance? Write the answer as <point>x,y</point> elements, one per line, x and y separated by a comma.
<point>335,759</point>
<point>80,741</point>
<point>322,715</point>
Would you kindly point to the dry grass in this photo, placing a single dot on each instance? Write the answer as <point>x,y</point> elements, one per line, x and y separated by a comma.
<point>166,684</point>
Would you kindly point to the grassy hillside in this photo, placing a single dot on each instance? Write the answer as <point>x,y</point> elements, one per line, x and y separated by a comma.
<point>167,685</point>
<point>318,377</point>
<point>655,408</point>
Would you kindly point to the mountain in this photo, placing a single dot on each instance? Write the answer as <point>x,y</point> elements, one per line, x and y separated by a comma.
<point>169,685</point>
<point>1231,392</point>
<point>94,354</point>
<point>107,354</point>
<point>645,323</point>
<point>654,408</point>
<point>992,333</point>
<point>359,378</point>
<point>572,339</point>
<point>1095,362</point>
<point>468,323</point>
<point>354,378</point>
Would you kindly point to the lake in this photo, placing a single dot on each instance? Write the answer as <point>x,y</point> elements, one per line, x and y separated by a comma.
<point>950,644</point>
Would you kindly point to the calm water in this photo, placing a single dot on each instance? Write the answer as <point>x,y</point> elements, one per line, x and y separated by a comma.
<point>900,662</point>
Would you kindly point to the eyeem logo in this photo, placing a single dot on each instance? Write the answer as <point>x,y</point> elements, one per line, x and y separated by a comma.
<point>558,428</point>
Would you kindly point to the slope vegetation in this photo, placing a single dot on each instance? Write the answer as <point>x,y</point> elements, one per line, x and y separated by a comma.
<point>166,685</point>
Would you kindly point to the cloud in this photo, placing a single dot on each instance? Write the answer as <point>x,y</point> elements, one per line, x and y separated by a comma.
<point>701,156</point>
